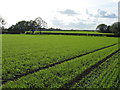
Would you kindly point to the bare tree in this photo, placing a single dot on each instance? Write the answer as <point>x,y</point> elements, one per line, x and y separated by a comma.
<point>2,23</point>
<point>41,23</point>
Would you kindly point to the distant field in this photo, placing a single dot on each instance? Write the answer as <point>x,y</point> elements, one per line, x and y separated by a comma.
<point>52,61</point>
<point>85,32</point>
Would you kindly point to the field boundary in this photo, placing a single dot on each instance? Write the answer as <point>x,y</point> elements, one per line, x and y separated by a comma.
<point>87,71</point>
<point>54,64</point>
<point>81,34</point>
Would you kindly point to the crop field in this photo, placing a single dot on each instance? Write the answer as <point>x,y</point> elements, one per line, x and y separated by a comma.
<point>105,76</point>
<point>85,32</point>
<point>59,61</point>
<point>71,32</point>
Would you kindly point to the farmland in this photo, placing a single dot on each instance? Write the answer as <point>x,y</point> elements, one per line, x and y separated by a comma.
<point>105,76</point>
<point>71,32</point>
<point>51,61</point>
<point>86,32</point>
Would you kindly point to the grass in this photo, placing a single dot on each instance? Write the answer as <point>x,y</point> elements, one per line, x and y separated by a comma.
<point>23,53</point>
<point>55,77</point>
<point>104,76</point>
<point>85,32</point>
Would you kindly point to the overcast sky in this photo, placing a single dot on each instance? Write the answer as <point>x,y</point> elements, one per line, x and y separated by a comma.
<point>64,14</point>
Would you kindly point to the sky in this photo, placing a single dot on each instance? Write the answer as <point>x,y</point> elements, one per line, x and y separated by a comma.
<point>64,14</point>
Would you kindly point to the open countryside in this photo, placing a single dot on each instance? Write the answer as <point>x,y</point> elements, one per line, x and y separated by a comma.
<point>68,48</point>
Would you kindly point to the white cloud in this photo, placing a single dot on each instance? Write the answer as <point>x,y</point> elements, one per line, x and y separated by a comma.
<point>16,10</point>
<point>80,25</point>
<point>102,14</point>
<point>68,12</point>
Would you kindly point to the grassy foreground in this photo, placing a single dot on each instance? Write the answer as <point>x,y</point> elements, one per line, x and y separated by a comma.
<point>23,53</point>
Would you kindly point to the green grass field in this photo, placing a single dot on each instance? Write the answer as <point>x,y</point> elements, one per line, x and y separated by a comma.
<point>52,61</point>
<point>74,32</point>
<point>84,32</point>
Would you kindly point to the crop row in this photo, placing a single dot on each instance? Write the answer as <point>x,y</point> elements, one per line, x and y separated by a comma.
<point>105,76</point>
<point>23,53</point>
<point>57,76</point>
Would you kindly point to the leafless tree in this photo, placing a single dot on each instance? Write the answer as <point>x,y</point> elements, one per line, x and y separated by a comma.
<point>41,23</point>
<point>2,23</point>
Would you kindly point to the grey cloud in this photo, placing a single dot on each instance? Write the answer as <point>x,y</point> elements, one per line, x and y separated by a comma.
<point>102,14</point>
<point>68,12</point>
<point>80,25</point>
<point>105,14</point>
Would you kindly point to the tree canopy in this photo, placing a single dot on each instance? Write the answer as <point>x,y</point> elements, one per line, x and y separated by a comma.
<point>102,28</point>
<point>115,28</point>
<point>32,25</point>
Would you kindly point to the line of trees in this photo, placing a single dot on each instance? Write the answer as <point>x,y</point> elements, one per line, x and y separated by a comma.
<point>28,27</point>
<point>114,28</point>
<point>23,26</point>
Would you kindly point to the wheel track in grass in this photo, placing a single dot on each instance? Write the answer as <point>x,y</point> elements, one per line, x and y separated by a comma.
<point>51,65</point>
<point>87,71</point>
